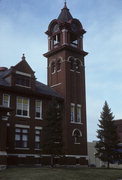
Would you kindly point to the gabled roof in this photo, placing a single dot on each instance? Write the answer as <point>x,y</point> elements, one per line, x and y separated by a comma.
<point>23,66</point>
<point>40,88</point>
<point>65,15</point>
<point>44,89</point>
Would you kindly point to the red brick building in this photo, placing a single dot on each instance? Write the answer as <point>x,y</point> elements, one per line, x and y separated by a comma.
<point>28,98</point>
<point>118,123</point>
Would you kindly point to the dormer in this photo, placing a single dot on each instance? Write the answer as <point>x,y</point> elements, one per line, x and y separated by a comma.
<point>23,75</point>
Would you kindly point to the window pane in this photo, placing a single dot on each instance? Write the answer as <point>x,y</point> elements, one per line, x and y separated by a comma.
<point>72,113</point>
<point>22,106</point>
<point>24,137</point>
<point>19,100</point>
<point>25,106</point>
<point>18,130</point>
<point>78,114</point>
<point>37,138</point>
<point>17,137</point>
<point>19,112</point>
<point>38,109</point>
<point>25,131</point>
<point>6,98</point>
<point>37,145</point>
<point>38,103</point>
<point>25,101</point>
<point>25,144</point>
<point>37,114</point>
<point>37,132</point>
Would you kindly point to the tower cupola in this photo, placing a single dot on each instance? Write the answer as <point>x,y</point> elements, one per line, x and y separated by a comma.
<point>65,31</point>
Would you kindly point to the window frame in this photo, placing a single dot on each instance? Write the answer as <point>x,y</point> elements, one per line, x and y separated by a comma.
<point>20,144</point>
<point>22,107</point>
<point>21,78</point>
<point>37,142</point>
<point>58,65</point>
<point>72,114</point>
<point>40,109</point>
<point>53,67</point>
<point>8,101</point>
<point>79,108</point>
<point>76,138</point>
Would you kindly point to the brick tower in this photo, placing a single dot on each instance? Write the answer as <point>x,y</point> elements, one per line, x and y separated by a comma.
<point>66,74</point>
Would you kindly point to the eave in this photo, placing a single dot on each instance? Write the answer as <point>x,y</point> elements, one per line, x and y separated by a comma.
<point>65,47</point>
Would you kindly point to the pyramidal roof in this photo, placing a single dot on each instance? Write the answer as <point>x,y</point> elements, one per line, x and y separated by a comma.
<point>65,15</point>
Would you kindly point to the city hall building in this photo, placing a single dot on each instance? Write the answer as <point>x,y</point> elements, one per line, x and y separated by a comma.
<point>23,100</point>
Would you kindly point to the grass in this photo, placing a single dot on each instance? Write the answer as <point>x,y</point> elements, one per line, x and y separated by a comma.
<point>60,174</point>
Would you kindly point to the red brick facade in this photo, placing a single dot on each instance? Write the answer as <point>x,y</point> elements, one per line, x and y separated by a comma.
<point>28,98</point>
<point>118,123</point>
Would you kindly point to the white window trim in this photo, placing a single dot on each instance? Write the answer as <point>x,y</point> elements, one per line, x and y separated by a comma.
<point>22,106</point>
<point>22,73</point>
<point>77,143</point>
<point>79,106</point>
<point>21,126</point>
<point>72,122</point>
<point>72,105</point>
<point>5,118</point>
<point>38,128</point>
<point>74,135</point>
<point>3,153</point>
<point>8,100</point>
<point>77,130</point>
<point>38,118</point>
<point>72,70</point>
<point>53,72</point>
<point>21,116</point>
<point>59,70</point>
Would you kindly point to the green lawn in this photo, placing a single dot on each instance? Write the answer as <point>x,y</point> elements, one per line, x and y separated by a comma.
<point>60,174</point>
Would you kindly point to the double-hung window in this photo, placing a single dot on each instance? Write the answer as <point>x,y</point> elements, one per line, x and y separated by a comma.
<point>37,139</point>
<point>75,113</point>
<point>6,100</point>
<point>78,113</point>
<point>72,113</point>
<point>22,106</point>
<point>38,109</point>
<point>21,138</point>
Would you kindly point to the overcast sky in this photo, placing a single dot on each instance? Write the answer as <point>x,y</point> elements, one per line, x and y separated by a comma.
<point>22,27</point>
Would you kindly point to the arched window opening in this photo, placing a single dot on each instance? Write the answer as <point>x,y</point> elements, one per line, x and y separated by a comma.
<point>71,63</point>
<point>77,65</point>
<point>58,65</point>
<point>73,40</point>
<point>56,40</point>
<point>77,135</point>
<point>53,67</point>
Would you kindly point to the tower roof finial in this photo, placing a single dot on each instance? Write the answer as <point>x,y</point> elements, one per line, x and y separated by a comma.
<point>65,15</point>
<point>23,57</point>
<point>65,4</point>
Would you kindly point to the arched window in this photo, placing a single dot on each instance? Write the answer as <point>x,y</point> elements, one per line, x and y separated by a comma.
<point>77,65</point>
<point>53,67</point>
<point>76,134</point>
<point>71,59</point>
<point>58,65</point>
